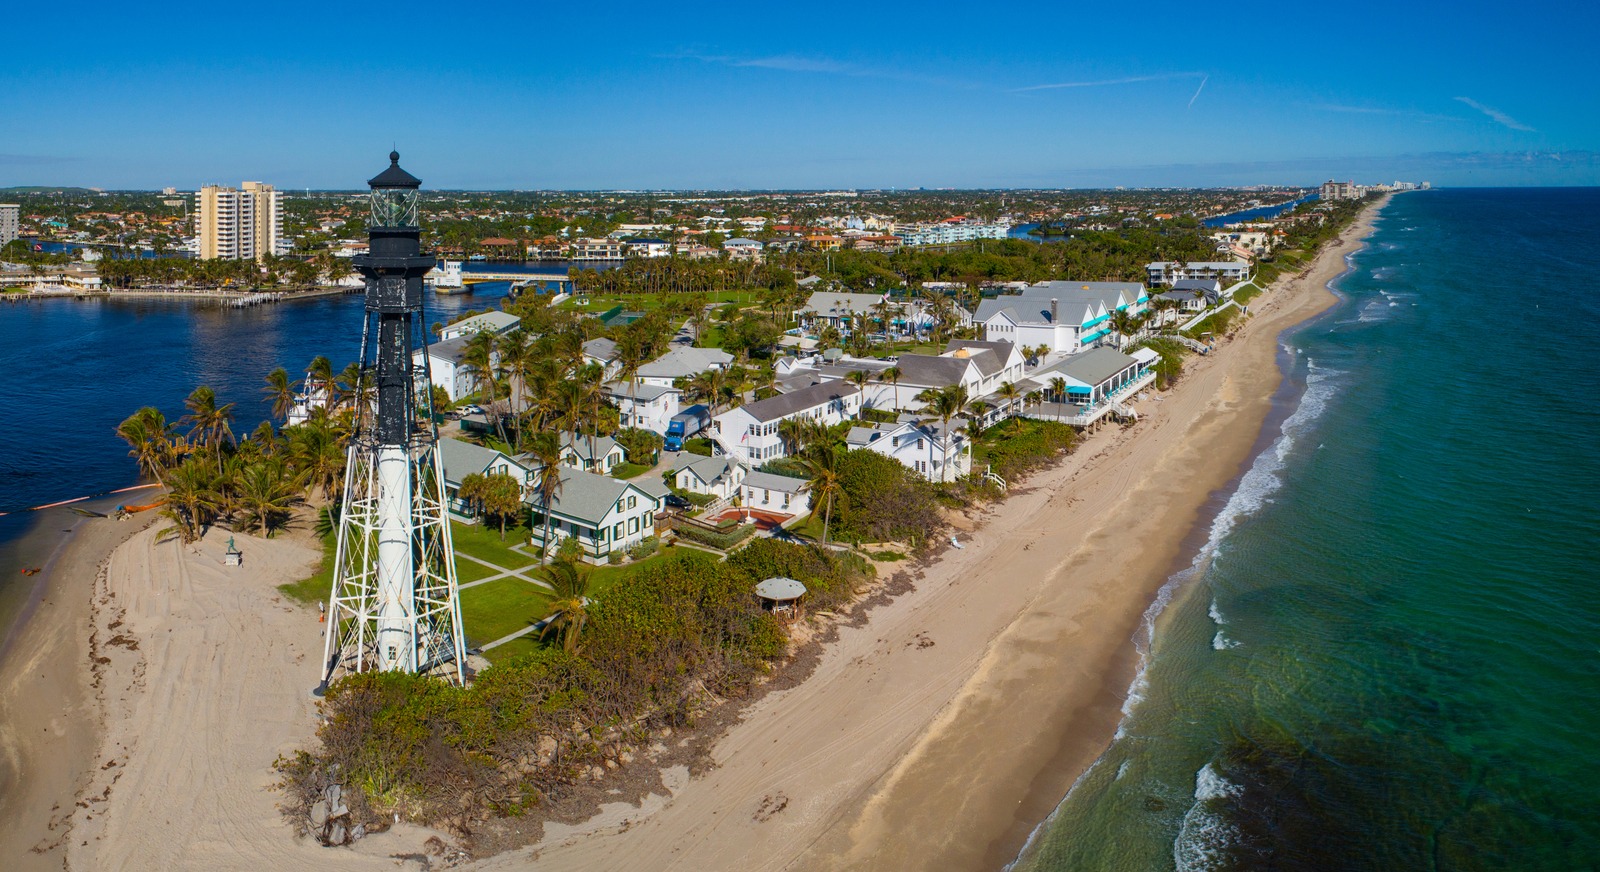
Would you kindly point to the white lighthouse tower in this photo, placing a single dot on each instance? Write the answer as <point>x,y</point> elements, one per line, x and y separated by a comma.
<point>394,604</point>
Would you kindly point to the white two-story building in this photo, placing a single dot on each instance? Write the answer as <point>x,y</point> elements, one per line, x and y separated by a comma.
<point>1066,317</point>
<point>644,406</point>
<point>929,448</point>
<point>1225,271</point>
<point>750,432</point>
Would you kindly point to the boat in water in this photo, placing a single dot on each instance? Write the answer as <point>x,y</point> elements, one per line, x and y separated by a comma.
<point>446,278</point>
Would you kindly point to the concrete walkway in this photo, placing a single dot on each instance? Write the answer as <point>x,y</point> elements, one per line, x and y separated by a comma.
<point>500,572</point>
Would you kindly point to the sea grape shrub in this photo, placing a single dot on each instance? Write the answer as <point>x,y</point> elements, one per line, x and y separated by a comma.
<point>1018,450</point>
<point>831,578</point>
<point>883,501</point>
<point>655,644</point>
<point>1170,366</point>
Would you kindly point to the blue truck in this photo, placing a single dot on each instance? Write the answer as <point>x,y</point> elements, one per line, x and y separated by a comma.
<point>686,424</point>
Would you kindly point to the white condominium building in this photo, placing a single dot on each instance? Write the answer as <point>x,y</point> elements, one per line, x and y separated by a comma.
<point>950,232</point>
<point>9,213</point>
<point>242,224</point>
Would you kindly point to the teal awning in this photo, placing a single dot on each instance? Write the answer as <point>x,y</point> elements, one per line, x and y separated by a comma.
<point>1095,335</point>
<point>1075,389</point>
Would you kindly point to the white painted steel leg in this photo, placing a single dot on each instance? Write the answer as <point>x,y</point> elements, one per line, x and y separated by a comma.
<point>396,572</point>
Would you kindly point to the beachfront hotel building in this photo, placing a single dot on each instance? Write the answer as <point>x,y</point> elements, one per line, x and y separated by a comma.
<point>9,216</point>
<point>238,224</point>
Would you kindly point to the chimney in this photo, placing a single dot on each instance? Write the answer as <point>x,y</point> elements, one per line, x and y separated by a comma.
<point>1054,316</point>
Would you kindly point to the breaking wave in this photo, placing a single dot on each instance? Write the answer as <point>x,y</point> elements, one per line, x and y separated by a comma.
<point>1206,836</point>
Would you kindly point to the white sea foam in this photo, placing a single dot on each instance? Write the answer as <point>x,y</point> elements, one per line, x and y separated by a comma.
<point>1255,488</point>
<point>1373,312</point>
<point>1205,835</point>
<point>1216,614</point>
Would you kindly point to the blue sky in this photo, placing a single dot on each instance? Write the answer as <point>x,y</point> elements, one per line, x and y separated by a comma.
<point>491,95</point>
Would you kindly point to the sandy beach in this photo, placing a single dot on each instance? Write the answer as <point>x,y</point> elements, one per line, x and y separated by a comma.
<point>207,683</point>
<point>47,709</point>
<point>959,712</point>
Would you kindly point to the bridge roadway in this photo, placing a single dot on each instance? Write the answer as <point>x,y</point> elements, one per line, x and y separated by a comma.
<point>470,276</point>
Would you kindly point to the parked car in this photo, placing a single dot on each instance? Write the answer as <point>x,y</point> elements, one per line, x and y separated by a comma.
<point>676,502</point>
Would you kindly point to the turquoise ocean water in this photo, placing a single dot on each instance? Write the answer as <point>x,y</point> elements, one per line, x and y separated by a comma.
<point>1387,654</point>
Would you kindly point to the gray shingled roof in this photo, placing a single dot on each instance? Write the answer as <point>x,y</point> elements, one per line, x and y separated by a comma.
<point>497,322</point>
<point>450,349</point>
<point>989,356</point>
<point>588,496</point>
<point>601,349</point>
<point>783,405</point>
<point>1025,311</point>
<point>581,446</point>
<point>708,468</point>
<point>928,371</point>
<point>771,481</point>
<point>1093,366</point>
<point>685,361</point>
<point>642,393</point>
<point>462,459</point>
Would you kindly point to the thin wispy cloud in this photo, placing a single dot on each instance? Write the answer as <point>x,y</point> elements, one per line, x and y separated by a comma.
<point>1126,80</point>
<point>1496,115</point>
<point>1197,92</point>
<point>790,63</point>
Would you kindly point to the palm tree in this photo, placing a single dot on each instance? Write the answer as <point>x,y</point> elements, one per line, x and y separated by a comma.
<point>315,451</point>
<point>892,376</point>
<point>632,352</point>
<point>1058,386</point>
<point>513,349</point>
<point>209,423</point>
<point>546,450</point>
<point>281,392</point>
<point>150,442</point>
<point>945,403</point>
<point>822,463</point>
<point>568,603</point>
<point>320,374</point>
<point>192,500</point>
<point>1123,325</point>
<point>266,491</point>
<point>858,377</point>
<point>1009,392</point>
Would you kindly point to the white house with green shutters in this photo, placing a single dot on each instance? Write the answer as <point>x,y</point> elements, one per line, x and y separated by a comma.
<point>605,515</point>
<point>462,459</point>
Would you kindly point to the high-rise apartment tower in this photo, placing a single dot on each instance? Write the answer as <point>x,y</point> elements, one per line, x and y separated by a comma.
<point>243,224</point>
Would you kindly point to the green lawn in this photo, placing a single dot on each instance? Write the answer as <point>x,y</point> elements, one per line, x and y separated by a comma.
<point>499,608</point>
<point>628,470</point>
<point>468,571</point>
<point>1246,293</point>
<point>483,542</point>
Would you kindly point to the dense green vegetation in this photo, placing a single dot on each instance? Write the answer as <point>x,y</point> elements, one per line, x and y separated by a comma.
<point>653,650</point>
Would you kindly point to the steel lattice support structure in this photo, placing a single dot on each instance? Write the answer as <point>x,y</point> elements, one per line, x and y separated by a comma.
<point>394,605</point>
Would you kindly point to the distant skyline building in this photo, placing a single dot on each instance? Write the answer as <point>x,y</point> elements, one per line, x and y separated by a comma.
<point>10,215</point>
<point>238,224</point>
<point>1332,190</point>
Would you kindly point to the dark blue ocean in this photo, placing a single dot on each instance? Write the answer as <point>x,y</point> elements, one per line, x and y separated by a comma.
<point>1387,654</point>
